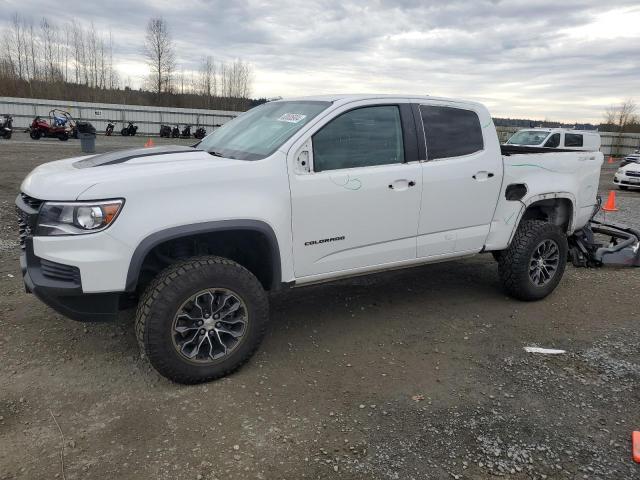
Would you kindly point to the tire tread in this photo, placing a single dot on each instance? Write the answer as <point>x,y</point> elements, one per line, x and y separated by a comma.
<point>154,292</point>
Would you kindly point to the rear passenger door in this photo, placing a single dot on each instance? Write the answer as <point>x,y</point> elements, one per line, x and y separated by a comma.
<point>462,177</point>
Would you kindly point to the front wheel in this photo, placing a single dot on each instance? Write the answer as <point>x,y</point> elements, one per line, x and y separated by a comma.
<point>35,134</point>
<point>201,319</point>
<point>533,265</point>
<point>124,132</point>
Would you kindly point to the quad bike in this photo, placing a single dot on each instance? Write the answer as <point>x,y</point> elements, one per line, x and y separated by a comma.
<point>55,128</point>
<point>165,131</point>
<point>186,132</point>
<point>200,133</point>
<point>6,126</point>
<point>109,130</point>
<point>175,132</point>
<point>62,118</point>
<point>129,130</point>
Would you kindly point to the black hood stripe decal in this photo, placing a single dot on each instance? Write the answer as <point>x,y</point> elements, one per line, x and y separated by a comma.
<point>122,156</point>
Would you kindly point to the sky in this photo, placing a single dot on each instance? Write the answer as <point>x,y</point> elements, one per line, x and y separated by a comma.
<point>559,60</point>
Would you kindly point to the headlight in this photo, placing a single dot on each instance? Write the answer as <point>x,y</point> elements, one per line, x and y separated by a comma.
<point>76,218</point>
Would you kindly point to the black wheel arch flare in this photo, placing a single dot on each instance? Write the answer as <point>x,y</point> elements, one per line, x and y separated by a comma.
<point>155,239</point>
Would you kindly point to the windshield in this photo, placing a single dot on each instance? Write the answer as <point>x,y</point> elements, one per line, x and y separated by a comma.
<point>528,137</point>
<point>258,133</point>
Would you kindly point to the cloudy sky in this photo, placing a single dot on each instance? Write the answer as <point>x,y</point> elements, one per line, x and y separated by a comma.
<point>562,60</point>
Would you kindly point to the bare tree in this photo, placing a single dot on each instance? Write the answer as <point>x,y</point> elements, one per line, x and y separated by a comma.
<point>160,54</point>
<point>621,117</point>
<point>16,46</point>
<point>208,79</point>
<point>236,80</point>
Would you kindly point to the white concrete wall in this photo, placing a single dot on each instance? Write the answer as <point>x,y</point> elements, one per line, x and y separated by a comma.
<point>147,118</point>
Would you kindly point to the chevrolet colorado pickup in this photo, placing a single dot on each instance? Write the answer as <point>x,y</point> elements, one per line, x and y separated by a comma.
<point>292,193</point>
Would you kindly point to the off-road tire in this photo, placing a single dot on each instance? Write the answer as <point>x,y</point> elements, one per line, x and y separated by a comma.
<point>162,299</point>
<point>514,263</point>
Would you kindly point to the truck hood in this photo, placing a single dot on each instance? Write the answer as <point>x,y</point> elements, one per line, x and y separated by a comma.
<point>68,179</point>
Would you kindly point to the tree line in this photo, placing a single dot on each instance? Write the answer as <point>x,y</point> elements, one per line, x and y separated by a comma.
<point>75,62</point>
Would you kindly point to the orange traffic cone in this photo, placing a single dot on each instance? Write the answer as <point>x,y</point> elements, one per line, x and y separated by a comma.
<point>610,160</point>
<point>149,143</point>
<point>635,445</point>
<point>610,206</point>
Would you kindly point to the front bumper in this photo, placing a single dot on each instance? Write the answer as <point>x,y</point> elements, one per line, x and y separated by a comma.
<point>59,285</point>
<point>65,296</point>
<point>631,182</point>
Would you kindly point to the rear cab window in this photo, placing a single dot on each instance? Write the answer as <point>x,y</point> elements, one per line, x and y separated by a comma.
<point>573,140</point>
<point>450,131</point>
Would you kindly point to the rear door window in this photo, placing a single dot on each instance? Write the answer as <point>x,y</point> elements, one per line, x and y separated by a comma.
<point>451,132</point>
<point>554,141</point>
<point>573,140</point>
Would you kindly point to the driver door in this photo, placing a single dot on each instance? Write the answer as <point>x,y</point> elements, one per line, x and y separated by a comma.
<point>356,206</point>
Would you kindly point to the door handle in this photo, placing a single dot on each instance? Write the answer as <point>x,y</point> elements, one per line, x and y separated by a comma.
<point>399,184</point>
<point>482,176</point>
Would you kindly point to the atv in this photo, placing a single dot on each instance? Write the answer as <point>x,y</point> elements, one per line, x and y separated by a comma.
<point>60,125</point>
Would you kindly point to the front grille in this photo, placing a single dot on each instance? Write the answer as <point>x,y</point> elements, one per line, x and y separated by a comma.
<point>32,202</point>
<point>27,219</point>
<point>632,174</point>
<point>57,271</point>
<point>24,230</point>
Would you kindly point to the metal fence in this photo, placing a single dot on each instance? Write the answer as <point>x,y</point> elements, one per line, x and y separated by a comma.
<point>148,119</point>
<point>612,143</point>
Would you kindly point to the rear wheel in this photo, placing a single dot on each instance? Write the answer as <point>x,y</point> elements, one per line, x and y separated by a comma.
<point>201,319</point>
<point>533,265</point>
<point>63,137</point>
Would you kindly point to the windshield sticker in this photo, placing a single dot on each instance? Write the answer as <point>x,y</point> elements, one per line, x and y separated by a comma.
<point>292,117</point>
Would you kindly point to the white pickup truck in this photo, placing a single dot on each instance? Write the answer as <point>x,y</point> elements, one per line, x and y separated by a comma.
<point>291,193</point>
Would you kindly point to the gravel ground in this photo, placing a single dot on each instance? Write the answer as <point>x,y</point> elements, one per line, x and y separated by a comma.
<point>415,374</point>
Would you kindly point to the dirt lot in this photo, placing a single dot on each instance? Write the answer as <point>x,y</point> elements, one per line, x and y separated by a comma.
<point>413,374</point>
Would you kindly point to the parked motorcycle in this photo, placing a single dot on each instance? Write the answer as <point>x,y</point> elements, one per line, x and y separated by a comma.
<point>129,130</point>
<point>201,132</point>
<point>6,126</point>
<point>109,130</point>
<point>175,132</point>
<point>165,131</point>
<point>54,129</point>
<point>186,132</point>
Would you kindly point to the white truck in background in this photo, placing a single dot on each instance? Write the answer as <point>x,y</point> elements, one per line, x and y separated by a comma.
<point>560,138</point>
<point>288,194</point>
